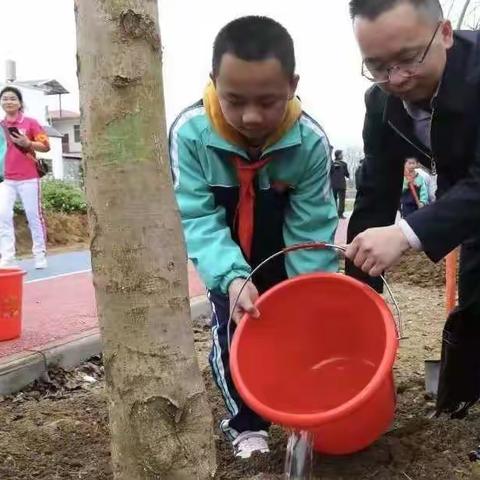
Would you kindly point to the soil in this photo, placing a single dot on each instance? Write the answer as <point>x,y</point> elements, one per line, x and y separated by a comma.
<point>417,269</point>
<point>58,429</point>
<point>62,231</point>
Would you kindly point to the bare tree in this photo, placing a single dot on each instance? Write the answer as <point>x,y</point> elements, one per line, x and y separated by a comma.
<point>462,14</point>
<point>352,155</point>
<point>160,420</point>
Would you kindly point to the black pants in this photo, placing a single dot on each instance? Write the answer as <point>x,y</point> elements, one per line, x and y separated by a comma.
<point>242,418</point>
<point>339,195</point>
<point>459,385</point>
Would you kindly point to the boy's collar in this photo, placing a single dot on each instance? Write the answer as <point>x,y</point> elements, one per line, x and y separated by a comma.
<point>225,137</point>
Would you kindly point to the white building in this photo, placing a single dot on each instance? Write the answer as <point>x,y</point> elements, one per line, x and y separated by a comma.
<point>67,123</point>
<point>35,94</point>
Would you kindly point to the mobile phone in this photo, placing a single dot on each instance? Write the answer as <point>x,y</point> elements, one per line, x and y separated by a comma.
<point>14,130</point>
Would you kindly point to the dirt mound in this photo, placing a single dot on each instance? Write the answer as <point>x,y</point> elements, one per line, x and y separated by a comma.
<point>59,428</point>
<point>62,230</point>
<point>417,269</point>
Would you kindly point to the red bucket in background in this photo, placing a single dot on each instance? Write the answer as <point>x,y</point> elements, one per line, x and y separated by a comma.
<point>320,359</point>
<point>11,295</point>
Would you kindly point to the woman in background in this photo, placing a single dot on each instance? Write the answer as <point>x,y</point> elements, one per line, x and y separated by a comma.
<point>24,137</point>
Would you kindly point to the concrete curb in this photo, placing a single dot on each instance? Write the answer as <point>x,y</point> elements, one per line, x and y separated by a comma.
<point>17,371</point>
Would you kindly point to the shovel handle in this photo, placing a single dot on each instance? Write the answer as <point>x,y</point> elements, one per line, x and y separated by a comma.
<point>451,263</point>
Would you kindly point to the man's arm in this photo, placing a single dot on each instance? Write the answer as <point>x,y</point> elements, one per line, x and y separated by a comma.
<point>452,219</point>
<point>380,184</point>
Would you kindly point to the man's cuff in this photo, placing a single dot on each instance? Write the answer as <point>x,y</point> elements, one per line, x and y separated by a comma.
<point>411,236</point>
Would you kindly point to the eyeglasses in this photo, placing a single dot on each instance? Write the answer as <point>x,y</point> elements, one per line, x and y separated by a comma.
<point>407,68</point>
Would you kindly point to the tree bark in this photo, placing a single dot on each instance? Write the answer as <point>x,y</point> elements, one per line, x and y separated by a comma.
<point>161,424</point>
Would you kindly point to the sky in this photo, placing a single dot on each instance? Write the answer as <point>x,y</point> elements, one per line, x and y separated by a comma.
<point>328,60</point>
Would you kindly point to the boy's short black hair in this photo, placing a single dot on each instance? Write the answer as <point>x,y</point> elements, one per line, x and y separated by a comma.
<point>371,9</point>
<point>255,38</point>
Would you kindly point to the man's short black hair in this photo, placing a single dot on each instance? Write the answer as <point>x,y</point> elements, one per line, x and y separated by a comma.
<point>338,154</point>
<point>255,38</point>
<point>371,9</point>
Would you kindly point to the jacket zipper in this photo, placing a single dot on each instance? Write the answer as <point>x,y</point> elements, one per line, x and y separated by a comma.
<point>433,165</point>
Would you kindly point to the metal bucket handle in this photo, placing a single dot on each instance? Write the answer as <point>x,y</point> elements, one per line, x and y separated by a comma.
<point>312,246</point>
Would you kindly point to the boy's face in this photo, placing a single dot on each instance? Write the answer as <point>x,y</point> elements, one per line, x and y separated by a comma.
<point>411,165</point>
<point>254,95</point>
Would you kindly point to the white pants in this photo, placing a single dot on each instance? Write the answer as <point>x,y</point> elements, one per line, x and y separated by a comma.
<point>29,192</point>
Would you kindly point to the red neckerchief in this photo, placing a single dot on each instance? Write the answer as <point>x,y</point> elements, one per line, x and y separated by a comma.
<point>245,215</point>
<point>410,177</point>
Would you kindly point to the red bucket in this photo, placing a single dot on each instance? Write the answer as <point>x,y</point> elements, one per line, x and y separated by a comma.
<point>11,293</point>
<point>320,359</point>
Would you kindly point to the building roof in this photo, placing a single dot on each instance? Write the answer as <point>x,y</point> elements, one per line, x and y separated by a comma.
<point>52,132</point>
<point>63,114</point>
<point>49,86</point>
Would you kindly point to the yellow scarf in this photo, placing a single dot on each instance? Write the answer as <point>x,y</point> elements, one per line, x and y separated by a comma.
<point>215,114</point>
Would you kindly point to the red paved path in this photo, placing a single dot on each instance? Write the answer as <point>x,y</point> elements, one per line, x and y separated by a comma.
<point>57,309</point>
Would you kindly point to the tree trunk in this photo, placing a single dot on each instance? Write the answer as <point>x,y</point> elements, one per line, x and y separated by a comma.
<point>160,420</point>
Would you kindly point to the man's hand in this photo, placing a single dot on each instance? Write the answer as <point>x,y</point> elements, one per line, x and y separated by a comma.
<point>246,300</point>
<point>377,249</point>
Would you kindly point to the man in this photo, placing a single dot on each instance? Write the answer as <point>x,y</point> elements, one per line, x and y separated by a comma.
<point>338,175</point>
<point>425,103</point>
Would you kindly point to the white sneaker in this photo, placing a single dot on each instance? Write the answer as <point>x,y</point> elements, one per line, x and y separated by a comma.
<point>41,262</point>
<point>8,263</point>
<point>250,442</point>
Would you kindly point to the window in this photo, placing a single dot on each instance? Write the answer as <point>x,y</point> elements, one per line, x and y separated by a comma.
<point>76,134</point>
<point>65,143</point>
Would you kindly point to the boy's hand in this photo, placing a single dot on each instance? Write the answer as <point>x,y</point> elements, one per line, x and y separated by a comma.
<point>246,300</point>
<point>377,249</point>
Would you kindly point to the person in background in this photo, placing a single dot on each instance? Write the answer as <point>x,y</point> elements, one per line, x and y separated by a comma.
<point>430,182</point>
<point>414,191</point>
<point>3,149</point>
<point>251,176</point>
<point>21,178</point>
<point>338,175</point>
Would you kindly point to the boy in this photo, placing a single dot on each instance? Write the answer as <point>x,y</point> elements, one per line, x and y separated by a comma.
<point>414,190</point>
<point>251,175</point>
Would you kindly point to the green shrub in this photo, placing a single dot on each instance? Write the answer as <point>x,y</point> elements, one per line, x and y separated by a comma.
<point>58,196</point>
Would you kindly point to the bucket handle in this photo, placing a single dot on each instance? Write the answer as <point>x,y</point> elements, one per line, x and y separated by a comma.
<point>312,246</point>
